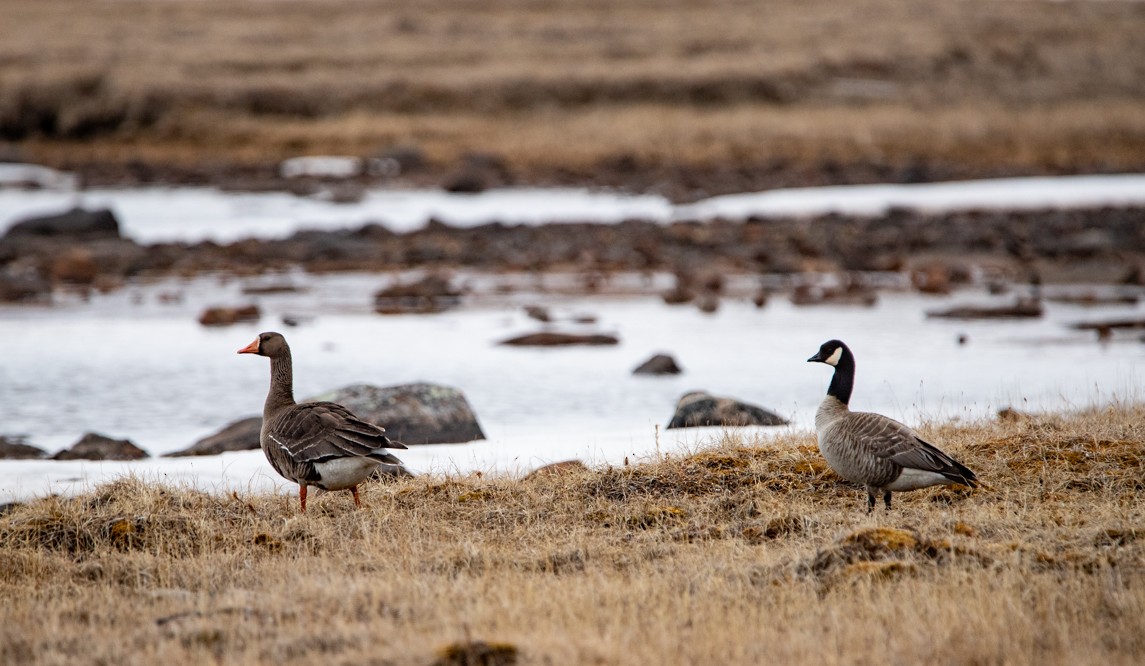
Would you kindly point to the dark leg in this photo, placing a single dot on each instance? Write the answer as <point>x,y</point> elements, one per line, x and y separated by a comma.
<point>302,496</point>
<point>870,500</point>
<point>357,500</point>
<point>887,499</point>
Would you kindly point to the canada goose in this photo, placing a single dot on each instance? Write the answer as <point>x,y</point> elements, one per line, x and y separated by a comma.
<point>878,452</point>
<point>317,444</point>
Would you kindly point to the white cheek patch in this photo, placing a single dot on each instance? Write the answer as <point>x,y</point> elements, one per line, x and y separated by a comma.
<point>833,359</point>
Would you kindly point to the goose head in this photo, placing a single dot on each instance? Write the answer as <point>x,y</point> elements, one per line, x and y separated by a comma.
<point>267,344</point>
<point>831,352</point>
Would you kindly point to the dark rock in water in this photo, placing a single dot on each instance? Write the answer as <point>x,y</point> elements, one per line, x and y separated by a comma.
<point>551,339</point>
<point>703,409</point>
<point>848,295</point>
<point>1093,297</point>
<point>433,293</point>
<point>14,448</point>
<point>1027,308</point>
<point>93,446</point>
<point>22,281</point>
<point>226,316</point>
<point>407,157</point>
<point>74,265</point>
<point>272,288</point>
<point>76,223</point>
<point>419,413</point>
<point>660,364</point>
<point>539,313</point>
<point>678,295</point>
<point>241,435</point>
<point>708,302</point>
<point>477,173</point>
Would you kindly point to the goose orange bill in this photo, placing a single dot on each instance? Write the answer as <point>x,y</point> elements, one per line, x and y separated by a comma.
<point>252,348</point>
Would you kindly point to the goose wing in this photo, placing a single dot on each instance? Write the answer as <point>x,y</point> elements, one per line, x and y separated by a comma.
<point>898,443</point>
<point>317,431</point>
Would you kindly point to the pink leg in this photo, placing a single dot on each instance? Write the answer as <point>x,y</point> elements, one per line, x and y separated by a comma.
<point>302,496</point>
<point>357,500</point>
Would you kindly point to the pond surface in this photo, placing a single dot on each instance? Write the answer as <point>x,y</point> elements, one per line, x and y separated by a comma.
<point>136,364</point>
<point>133,364</point>
<point>162,214</point>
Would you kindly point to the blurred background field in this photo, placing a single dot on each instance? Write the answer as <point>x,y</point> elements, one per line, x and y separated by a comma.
<point>689,98</point>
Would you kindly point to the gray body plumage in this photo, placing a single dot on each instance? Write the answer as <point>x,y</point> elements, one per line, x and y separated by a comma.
<point>301,441</point>
<point>319,444</point>
<point>873,450</point>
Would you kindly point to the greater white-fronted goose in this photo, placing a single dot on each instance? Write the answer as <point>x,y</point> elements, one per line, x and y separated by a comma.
<point>319,444</point>
<point>874,450</point>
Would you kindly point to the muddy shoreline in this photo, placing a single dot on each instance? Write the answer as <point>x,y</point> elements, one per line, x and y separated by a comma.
<point>934,252</point>
<point>679,182</point>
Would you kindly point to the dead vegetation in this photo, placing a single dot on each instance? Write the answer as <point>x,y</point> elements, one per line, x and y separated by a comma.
<point>735,93</point>
<point>743,551</point>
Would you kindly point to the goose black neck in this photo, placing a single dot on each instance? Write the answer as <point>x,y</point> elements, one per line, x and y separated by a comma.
<point>843,381</point>
<point>281,383</point>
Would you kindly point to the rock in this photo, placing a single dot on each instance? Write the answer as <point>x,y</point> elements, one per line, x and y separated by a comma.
<point>1110,324</point>
<point>76,223</point>
<point>419,413</point>
<point>433,293</point>
<point>477,173</point>
<point>539,313</point>
<point>1021,308</point>
<point>931,279</point>
<point>759,299</point>
<point>222,316</point>
<point>678,295</point>
<point>552,339</point>
<point>407,157</point>
<point>848,295</point>
<point>660,364</point>
<point>708,302</point>
<point>699,408</point>
<point>93,446</point>
<point>75,265</point>
<point>1093,297</point>
<point>241,435</point>
<point>557,469</point>
<point>14,448</point>
<point>265,288</point>
<point>21,281</point>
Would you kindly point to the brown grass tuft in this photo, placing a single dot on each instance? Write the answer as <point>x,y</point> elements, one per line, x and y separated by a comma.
<point>477,653</point>
<point>740,552</point>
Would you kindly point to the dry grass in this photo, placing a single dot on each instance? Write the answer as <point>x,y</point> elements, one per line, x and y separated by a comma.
<point>742,552</point>
<point>566,87</point>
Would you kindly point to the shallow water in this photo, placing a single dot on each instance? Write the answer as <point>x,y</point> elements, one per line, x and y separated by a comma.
<point>162,214</point>
<point>128,365</point>
<point>136,364</point>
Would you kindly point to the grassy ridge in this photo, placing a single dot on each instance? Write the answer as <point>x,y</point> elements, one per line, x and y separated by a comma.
<point>741,552</point>
<point>566,90</point>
